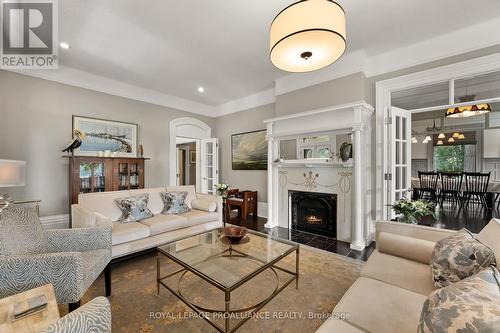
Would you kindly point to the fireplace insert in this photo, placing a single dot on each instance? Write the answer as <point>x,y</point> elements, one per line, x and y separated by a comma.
<point>314,212</point>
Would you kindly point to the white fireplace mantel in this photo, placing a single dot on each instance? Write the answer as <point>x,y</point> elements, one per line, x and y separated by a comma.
<point>356,118</point>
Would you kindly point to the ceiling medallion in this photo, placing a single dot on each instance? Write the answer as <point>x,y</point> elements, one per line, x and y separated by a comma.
<point>308,35</point>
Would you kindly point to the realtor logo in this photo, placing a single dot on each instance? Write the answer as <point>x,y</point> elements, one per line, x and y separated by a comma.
<point>29,34</point>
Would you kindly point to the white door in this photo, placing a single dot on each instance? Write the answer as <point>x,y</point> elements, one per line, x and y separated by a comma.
<point>209,165</point>
<point>179,167</point>
<point>398,172</point>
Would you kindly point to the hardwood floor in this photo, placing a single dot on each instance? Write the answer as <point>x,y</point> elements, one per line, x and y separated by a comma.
<point>320,242</point>
<point>451,216</point>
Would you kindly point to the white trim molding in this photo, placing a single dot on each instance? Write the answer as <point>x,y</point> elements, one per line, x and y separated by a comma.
<point>262,209</point>
<point>55,221</point>
<point>252,101</point>
<point>469,39</point>
<point>86,80</point>
<point>383,90</point>
<point>192,128</point>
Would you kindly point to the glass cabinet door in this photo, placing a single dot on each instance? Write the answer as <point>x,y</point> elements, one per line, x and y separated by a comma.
<point>92,177</point>
<point>123,175</point>
<point>134,175</point>
<point>128,176</point>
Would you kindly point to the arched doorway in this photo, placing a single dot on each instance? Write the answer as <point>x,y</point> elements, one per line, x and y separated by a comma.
<point>206,151</point>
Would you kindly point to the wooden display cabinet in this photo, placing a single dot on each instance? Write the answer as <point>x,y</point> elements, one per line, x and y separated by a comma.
<point>103,174</point>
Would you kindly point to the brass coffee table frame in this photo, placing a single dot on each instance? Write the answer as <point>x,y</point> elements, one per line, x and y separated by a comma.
<point>229,252</point>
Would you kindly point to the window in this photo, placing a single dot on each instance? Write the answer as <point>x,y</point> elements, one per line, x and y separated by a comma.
<point>449,158</point>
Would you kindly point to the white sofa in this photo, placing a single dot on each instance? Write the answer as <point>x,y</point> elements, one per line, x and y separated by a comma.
<point>96,209</point>
<point>396,280</point>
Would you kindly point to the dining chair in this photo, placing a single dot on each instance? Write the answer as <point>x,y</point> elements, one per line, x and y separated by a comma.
<point>476,186</point>
<point>428,185</point>
<point>451,187</point>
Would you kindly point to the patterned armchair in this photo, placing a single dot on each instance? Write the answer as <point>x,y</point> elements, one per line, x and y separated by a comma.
<point>70,259</point>
<point>95,316</point>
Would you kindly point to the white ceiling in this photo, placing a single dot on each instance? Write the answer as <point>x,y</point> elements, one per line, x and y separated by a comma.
<point>172,47</point>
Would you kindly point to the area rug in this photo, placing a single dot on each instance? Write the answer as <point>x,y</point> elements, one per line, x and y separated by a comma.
<point>324,278</point>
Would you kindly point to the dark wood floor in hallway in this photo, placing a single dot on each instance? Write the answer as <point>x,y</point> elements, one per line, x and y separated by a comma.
<point>449,216</point>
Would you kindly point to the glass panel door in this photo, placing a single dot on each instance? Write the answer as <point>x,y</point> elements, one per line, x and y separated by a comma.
<point>209,165</point>
<point>400,156</point>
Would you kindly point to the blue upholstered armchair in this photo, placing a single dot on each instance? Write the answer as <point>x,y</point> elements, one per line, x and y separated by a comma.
<point>70,259</point>
<point>95,316</point>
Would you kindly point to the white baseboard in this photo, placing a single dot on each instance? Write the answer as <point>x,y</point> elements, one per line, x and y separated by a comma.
<point>262,209</point>
<point>55,221</point>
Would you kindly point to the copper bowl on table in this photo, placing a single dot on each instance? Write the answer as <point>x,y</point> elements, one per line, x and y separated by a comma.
<point>234,234</point>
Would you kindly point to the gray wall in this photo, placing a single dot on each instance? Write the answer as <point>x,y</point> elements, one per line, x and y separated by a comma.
<point>347,89</point>
<point>35,124</point>
<point>244,121</point>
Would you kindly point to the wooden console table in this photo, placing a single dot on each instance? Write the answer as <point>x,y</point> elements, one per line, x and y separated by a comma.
<point>244,201</point>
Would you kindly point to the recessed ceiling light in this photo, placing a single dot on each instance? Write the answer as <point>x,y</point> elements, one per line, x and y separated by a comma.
<point>64,45</point>
<point>201,89</point>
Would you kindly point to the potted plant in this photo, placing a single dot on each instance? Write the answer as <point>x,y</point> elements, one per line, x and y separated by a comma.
<point>221,190</point>
<point>412,211</point>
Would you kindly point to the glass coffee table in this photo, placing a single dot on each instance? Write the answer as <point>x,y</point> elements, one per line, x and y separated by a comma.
<point>227,267</point>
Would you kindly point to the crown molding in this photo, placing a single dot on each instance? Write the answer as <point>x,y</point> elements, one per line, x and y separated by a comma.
<point>82,79</point>
<point>261,98</point>
<point>458,42</point>
<point>452,44</point>
<point>350,63</point>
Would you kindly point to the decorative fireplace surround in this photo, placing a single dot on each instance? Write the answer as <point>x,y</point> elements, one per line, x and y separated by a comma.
<point>314,212</point>
<point>352,184</point>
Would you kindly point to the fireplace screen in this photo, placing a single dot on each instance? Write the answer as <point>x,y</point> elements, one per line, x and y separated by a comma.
<point>314,212</point>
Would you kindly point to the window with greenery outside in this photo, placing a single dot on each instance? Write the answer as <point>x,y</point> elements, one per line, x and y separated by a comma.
<point>449,158</point>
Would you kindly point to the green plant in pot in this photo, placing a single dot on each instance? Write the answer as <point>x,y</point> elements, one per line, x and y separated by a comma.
<point>412,211</point>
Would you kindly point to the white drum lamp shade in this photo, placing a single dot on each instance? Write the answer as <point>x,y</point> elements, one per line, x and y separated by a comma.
<point>308,35</point>
<point>12,173</point>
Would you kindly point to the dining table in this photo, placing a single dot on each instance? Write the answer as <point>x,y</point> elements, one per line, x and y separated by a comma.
<point>492,191</point>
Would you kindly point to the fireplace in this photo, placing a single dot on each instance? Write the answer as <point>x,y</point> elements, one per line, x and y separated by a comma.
<point>314,212</point>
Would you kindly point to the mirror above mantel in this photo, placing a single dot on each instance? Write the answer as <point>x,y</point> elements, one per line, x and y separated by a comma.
<point>319,149</point>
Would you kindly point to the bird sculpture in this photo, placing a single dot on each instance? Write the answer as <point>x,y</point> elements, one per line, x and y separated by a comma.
<point>76,143</point>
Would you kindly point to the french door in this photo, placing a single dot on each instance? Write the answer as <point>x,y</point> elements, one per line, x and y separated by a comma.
<point>398,171</point>
<point>209,165</point>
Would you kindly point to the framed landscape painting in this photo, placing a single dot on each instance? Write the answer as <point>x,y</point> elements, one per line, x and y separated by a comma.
<point>249,151</point>
<point>101,135</point>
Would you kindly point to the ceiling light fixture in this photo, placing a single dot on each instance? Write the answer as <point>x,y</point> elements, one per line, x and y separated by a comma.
<point>451,140</point>
<point>461,136</point>
<point>308,35</point>
<point>441,136</point>
<point>468,111</point>
<point>456,135</point>
<point>201,89</point>
<point>64,45</point>
<point>427,139</point>
<point>439,143</point>
<point>414,140</point>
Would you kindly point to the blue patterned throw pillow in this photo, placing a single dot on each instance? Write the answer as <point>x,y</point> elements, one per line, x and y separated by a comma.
<point>469,306</point>
<point>174,202</point>
<point>457,257</point>
<point>134,208</point>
